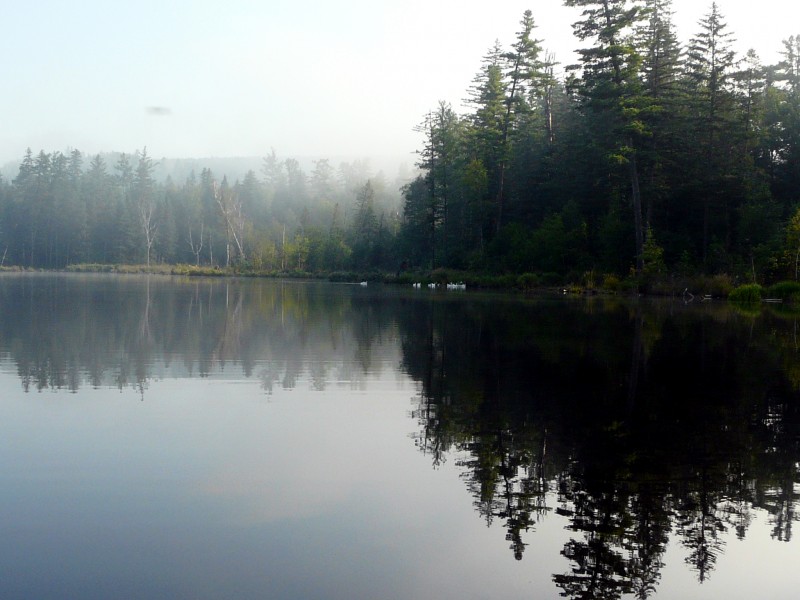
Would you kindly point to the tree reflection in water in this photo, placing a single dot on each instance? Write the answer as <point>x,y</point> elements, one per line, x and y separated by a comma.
<point>639,423</point>
<point>65,332</point>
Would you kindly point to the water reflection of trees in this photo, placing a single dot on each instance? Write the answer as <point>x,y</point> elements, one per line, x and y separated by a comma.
<point>65,332</point>
<point>639,424</point>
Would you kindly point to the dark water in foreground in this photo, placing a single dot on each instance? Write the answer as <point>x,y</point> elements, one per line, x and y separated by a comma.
<point>266,439</point>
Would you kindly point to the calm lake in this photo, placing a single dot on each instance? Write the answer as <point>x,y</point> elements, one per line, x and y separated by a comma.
<point>191,438</point>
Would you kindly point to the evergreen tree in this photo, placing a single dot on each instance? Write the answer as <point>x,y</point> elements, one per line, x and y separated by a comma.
<point>365,227</point>
<point>523,67</point>
<point>660,72</point>
<point>611,90</point>
<point>416,239</point>
<point>488,95</point>
<point>100,198</point>
<point>788,150</point>
<point>709,66</point>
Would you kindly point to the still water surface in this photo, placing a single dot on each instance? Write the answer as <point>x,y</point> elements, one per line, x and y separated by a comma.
<point>264,439</point>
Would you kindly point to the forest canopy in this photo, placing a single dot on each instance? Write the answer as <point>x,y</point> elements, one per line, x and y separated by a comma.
<point>647,156</point>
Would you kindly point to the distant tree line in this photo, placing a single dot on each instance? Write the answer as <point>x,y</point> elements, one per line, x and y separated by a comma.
<point>58,211</point>
<point>648,157</point>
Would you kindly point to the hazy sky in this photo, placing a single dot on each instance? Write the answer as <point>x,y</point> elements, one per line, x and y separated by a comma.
<point>194,78</point>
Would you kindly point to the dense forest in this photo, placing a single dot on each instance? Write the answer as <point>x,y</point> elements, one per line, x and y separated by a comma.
<point>648,155</point>
<point>649,158</point>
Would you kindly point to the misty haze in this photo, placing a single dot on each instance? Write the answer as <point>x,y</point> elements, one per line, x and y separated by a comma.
<point>417,300</point>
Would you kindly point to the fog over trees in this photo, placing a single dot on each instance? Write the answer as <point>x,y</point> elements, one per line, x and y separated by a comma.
<point>648,156</point>
<point>59,210</point>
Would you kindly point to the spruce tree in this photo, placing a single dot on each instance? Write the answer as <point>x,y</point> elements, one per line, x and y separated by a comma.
<point>709,65</point>
<point>611,90</point>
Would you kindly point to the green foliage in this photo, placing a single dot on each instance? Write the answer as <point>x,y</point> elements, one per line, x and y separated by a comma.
<point>552,278</point>
<point>195,271</point>
<point>653,256</point>
<point>612,283</point>
<point>746,294</point>
<point>489,282</point>
<point>717,286</point>
<point>403,278</point>
<point>785,290</point>
<point>514,249</point>
<point>792,245</point>
<point>90,268</point>
<point>615,242</point>
<point>528,281</point>
<point>440,276</point>
<point>160,269</point>
<point>550,245</point>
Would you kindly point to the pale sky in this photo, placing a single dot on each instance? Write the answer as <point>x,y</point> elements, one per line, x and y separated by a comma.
<point>196,78</point>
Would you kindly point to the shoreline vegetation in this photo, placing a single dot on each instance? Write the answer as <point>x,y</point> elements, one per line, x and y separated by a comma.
<point>690,287</point>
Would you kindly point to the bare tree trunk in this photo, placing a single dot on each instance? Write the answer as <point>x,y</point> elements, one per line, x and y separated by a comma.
<point>796,262</point>
<point>548,99</point>
<point>146,211</point>
<point>231,208</point>
<point>283,249</point>
<point>196,249</point>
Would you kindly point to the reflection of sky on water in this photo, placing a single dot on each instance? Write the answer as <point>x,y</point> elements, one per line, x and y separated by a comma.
<point>756,567</point>
<point>289,465</point>
<point>313,376</point>
<point>210,489</point>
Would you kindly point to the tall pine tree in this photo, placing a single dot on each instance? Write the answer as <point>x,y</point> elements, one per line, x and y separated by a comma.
<point>612,91</point>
